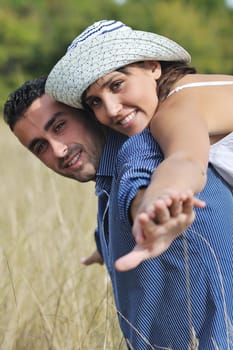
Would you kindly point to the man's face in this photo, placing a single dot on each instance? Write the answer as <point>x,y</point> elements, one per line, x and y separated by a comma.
<point>62,138</point>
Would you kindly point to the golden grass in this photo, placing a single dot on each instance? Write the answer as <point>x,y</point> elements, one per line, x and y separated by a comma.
<point>48,300</point>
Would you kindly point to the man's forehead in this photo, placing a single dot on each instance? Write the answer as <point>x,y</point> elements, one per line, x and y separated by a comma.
<point>26,130</point>
<point>38,103</point>
<point>41,103</point>
<point>32,122</point>
<point>41,111</point>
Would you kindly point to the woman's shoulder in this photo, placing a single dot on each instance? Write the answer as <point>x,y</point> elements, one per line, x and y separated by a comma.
<point>195,81</point>
<point>206,97</point>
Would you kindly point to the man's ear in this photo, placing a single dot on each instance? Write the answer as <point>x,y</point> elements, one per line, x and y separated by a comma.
<point>155,67</point>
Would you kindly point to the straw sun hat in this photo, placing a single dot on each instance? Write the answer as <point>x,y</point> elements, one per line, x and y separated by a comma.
<point>102,48</point>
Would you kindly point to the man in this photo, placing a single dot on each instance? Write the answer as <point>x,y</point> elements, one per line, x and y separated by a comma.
<point>40,124</point>
<point>72,145</point>
<point>176,300</point>
<point>60,136</point>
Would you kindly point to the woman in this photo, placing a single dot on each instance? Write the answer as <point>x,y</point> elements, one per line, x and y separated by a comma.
<point>155,88</point>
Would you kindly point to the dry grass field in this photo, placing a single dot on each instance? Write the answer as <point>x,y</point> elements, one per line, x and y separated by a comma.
<point>48,300</point>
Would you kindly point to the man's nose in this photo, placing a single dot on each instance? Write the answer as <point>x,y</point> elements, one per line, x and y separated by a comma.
<point>59,148</point>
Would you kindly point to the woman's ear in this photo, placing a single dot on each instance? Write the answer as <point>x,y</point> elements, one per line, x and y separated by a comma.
<point>155,67</point>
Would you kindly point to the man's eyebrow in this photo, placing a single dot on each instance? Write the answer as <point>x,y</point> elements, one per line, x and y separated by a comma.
<point>52,120</point>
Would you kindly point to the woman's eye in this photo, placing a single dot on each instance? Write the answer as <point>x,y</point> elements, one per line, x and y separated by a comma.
<point>94,102</point>
<point>116,85</point>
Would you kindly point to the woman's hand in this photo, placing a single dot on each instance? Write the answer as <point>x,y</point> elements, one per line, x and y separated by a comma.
<point>156,228</point>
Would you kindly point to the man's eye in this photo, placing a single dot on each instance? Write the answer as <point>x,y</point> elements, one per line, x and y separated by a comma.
<point>40,147</point>
<point>59,126</point>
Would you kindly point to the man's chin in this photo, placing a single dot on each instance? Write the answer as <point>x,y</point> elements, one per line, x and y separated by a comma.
<point>80,176</point>
<point>86,178</point>
<point>83,177</point>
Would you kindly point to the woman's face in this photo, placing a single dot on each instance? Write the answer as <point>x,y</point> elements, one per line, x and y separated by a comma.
<point>126,100</point>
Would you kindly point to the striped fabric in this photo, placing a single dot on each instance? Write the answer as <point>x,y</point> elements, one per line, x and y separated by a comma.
<point>98,28</point>
<point>183,299</point>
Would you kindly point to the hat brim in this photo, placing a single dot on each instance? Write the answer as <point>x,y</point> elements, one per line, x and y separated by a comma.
<point>98,56</point>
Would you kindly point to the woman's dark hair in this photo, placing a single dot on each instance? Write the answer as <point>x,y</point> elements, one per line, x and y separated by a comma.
<point>171,72</point>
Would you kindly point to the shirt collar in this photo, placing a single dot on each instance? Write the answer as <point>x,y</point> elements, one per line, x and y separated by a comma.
<point>107,162</point>
<point>106,168</point>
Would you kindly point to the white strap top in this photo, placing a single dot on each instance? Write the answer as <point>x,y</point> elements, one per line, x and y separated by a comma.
<point>221,157</point>
<point>221,152</point>
<point>199,84</point>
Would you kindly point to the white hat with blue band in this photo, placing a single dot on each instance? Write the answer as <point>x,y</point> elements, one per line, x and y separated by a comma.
<point>102,48</point>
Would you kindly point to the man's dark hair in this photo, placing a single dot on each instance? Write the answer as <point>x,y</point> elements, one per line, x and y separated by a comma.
<point>19,100</point>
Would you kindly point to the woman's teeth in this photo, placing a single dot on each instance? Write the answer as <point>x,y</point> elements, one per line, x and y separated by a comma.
<point>128,118</point>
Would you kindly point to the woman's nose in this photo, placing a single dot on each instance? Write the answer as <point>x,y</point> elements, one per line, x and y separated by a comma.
<point>113,107</point>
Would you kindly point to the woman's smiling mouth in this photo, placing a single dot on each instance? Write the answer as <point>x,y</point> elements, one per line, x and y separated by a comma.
<point>128,118</point>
